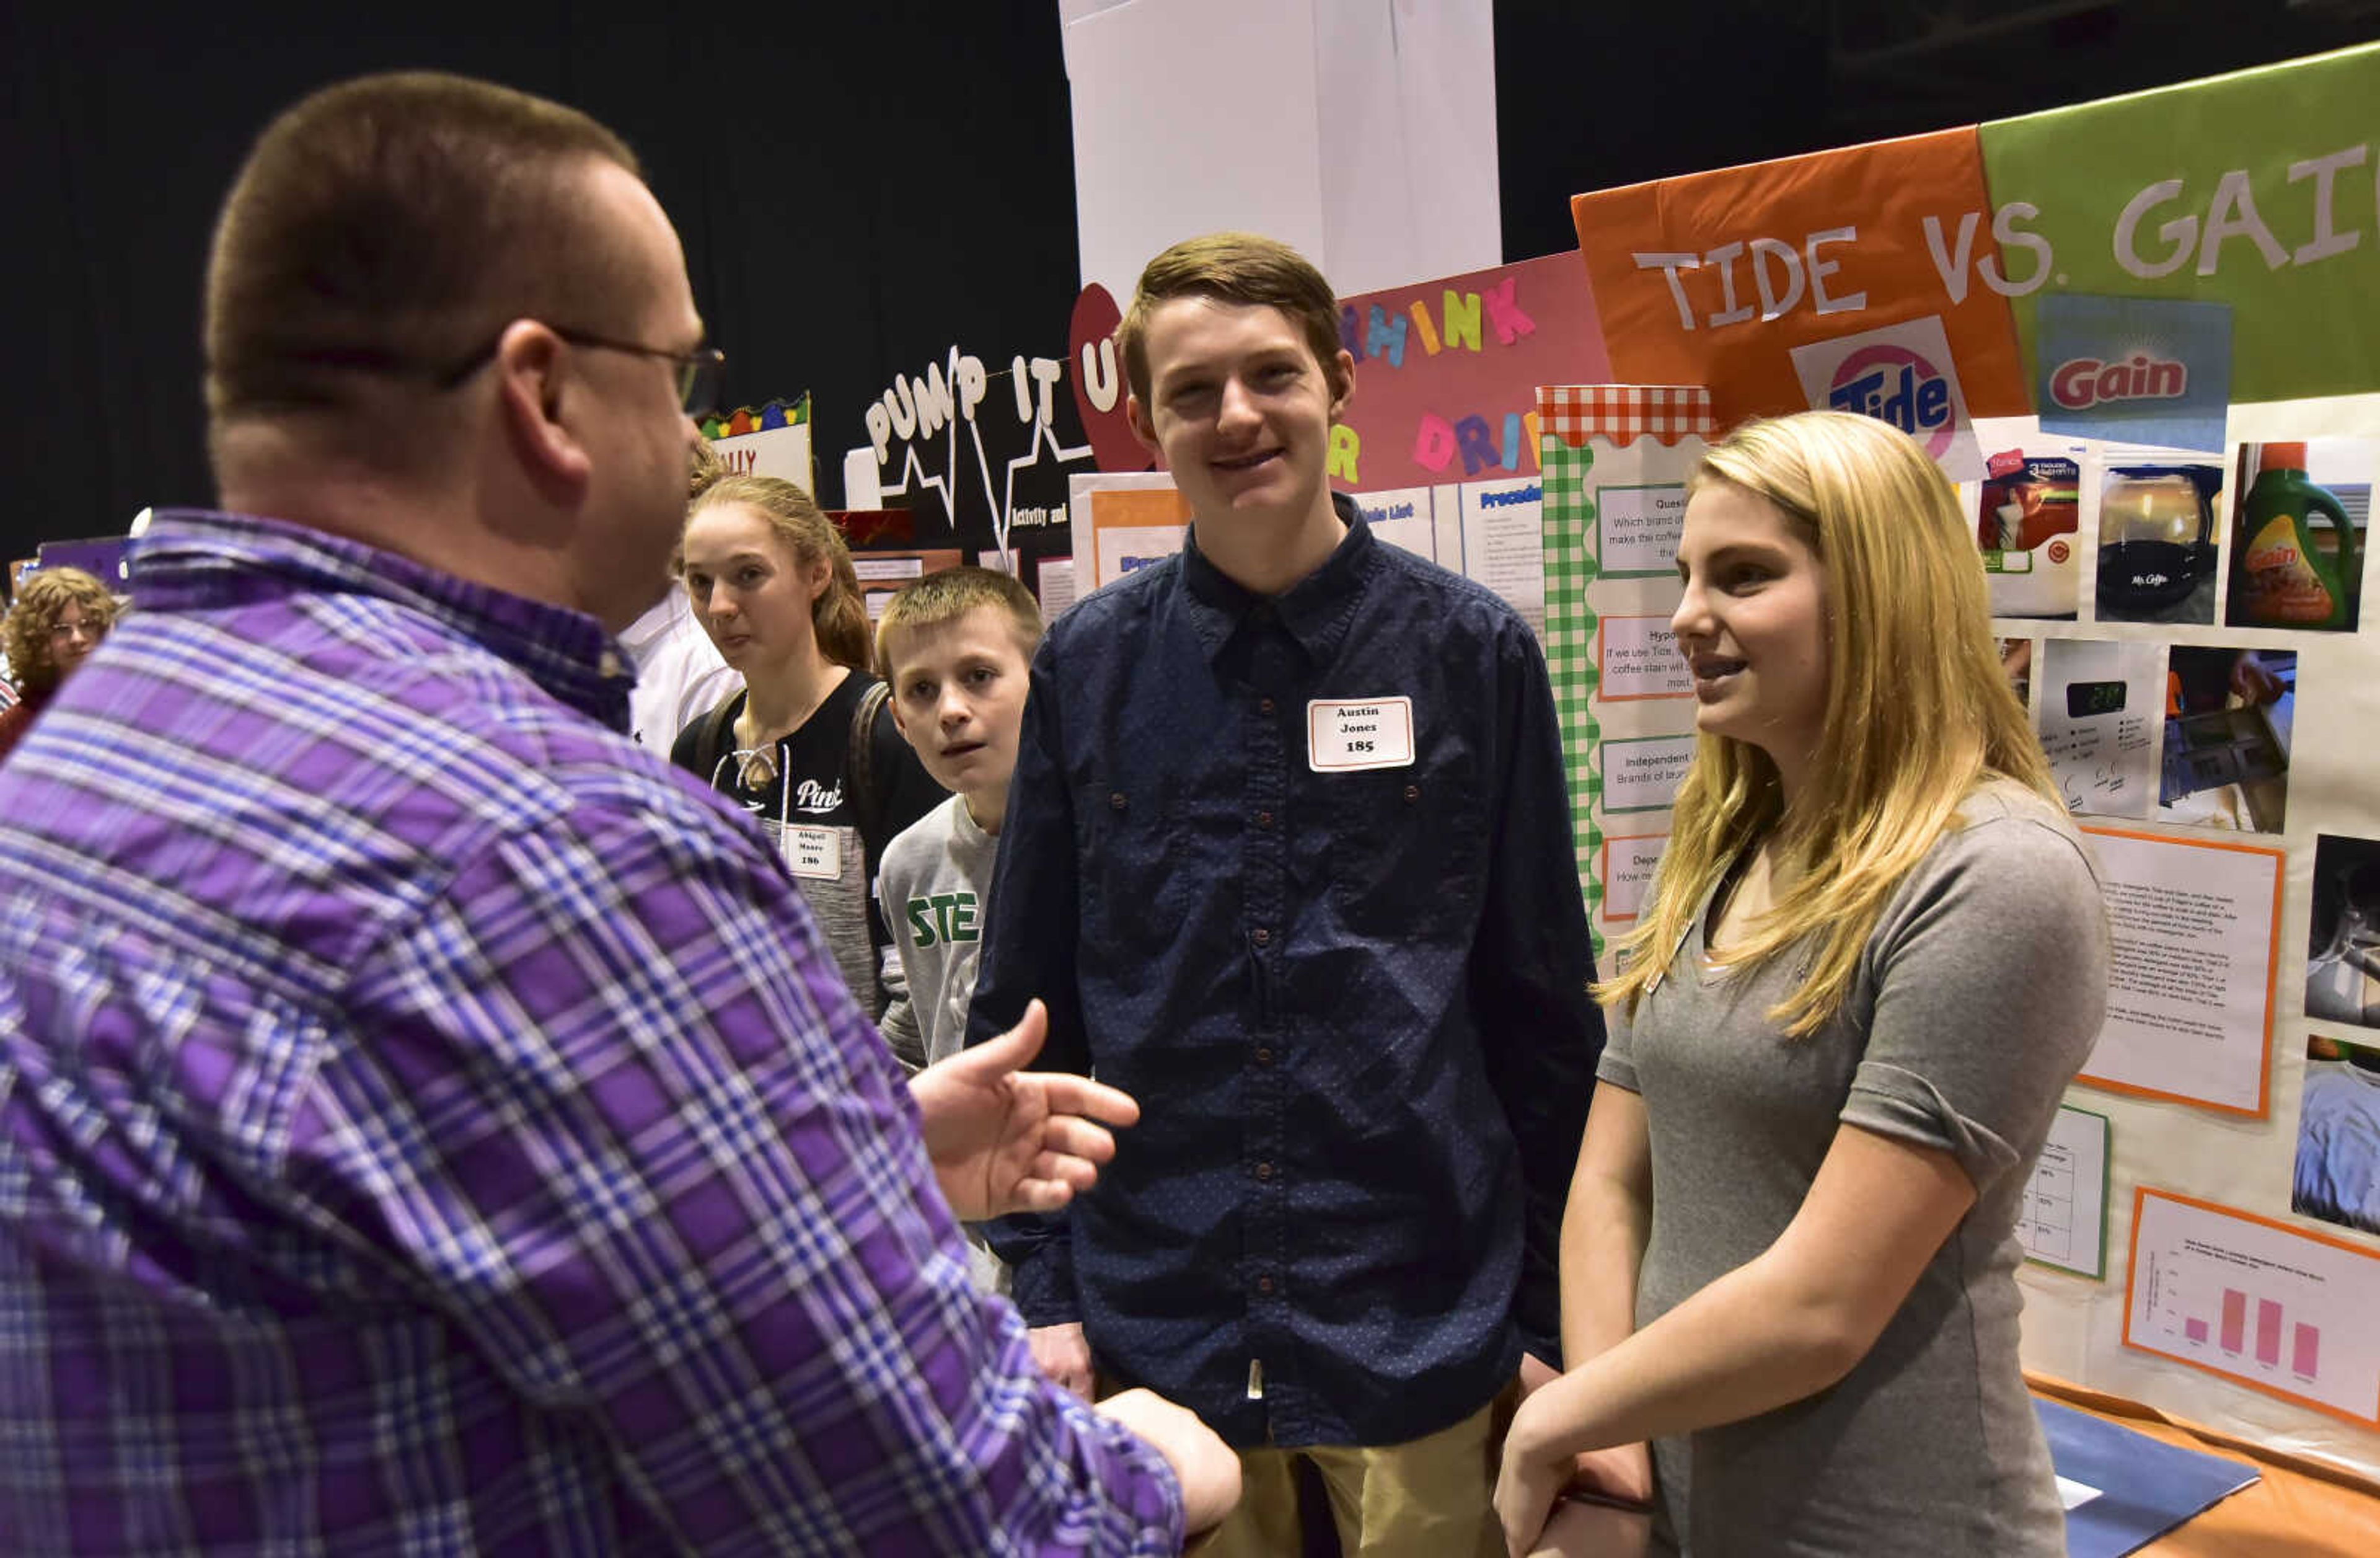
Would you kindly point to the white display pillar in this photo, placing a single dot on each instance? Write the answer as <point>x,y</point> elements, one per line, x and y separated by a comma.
<point>1362,131</point>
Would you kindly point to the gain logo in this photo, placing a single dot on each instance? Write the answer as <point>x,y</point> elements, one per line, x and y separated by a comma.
<point>1895,384</point>
<point>2083,382</point>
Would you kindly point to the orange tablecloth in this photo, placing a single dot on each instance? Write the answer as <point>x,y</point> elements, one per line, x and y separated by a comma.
<point>2297,1509</point>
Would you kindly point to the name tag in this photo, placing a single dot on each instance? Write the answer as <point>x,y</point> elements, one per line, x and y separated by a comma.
<point>814,854</point>
<point>1372,732</point>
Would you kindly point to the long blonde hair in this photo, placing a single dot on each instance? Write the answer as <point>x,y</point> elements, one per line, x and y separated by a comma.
<point>837,615</point>
<point>1918,712</point>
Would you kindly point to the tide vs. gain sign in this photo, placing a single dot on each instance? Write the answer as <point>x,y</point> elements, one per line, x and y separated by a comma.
<point>2225,245</point>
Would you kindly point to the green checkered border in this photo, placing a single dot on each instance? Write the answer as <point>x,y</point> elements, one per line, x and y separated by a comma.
<point>1569,529</point>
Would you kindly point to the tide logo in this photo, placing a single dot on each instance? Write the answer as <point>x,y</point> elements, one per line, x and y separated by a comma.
<point>2083,382</point>
<point>1893,384</point>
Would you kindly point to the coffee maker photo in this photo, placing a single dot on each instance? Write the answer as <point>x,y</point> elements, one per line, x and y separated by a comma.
<point>2157,553</point>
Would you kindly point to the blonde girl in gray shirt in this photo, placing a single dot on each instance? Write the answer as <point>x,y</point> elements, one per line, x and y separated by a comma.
<point>1875,957</point>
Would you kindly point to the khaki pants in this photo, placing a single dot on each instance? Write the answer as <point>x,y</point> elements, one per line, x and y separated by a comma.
<point>1426,1498</point>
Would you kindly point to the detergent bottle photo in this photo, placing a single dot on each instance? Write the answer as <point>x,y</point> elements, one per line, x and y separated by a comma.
<point>2294,562</point>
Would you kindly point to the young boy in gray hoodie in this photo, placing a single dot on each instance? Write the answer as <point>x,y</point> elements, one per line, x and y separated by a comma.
<point>956,648</point>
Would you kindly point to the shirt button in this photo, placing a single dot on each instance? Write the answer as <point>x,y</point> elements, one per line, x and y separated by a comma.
<point>1264,1055</point>
<point>1413,793</point>
<point>1264,819</point>
<point>1115,800</point>
<point>1264,1171</point>
<point>1264,1284</point>
<point>1261,937</point>
<point>1264,705</point>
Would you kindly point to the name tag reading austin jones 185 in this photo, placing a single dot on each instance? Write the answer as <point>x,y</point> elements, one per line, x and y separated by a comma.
<point>1367,732</point>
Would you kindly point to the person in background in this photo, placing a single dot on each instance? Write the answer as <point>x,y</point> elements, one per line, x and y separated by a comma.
<point>808,747</point>
<point>1875,954</point>
<point>679,673</point>
<point>427,1123</point>
<point>957,650</point>
<point>60,617</point>
<point>1288,847</point>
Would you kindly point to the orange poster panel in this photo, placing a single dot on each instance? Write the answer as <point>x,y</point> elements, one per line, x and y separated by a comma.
<point>1715,278</point>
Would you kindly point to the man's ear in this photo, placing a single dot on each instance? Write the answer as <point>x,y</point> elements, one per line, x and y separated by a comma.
<point>541,406</point>
<point>1144,430</point>
<point>1343,382</point>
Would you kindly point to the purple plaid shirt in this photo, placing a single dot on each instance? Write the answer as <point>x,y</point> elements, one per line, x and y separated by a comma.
<point>429,1124</point>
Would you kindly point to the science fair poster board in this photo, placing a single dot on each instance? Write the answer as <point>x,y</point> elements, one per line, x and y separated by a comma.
<point>1490,532</point>
<point>1616,461</point>
<point>1447,374</point>
<point>773,440</point>
<point>1438,443</point>
<point>2138,334</point>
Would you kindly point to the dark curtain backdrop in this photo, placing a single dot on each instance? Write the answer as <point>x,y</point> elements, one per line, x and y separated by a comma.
<point>860,186</point>
<point>1590,95</point>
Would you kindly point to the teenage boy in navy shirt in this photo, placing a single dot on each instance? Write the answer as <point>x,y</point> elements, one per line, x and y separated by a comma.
<point>1288,854</point>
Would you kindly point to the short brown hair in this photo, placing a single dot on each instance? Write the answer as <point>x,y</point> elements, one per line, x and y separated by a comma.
<point>1233,268</point>
<point>41,600</point>
<point>387,226</point>
<point>837,615</point>
<point>951,594</point>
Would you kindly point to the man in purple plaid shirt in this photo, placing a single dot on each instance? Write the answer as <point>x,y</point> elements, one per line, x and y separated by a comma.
<point>427,1124</point>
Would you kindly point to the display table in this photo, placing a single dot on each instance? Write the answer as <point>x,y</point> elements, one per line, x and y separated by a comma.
<point>2297,1509</point>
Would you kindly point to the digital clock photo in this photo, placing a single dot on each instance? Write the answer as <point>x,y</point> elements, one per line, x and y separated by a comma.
<point>2086,699</point>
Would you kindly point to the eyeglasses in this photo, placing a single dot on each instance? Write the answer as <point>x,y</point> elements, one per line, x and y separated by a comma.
<point>698,371</point>
<point>82,627</point>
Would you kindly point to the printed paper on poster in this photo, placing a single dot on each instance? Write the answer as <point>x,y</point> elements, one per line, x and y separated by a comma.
<point>1637,528</point>
<point>1123,522</point>
<point>1057,585</point>
<point>2100,708</point>
<point>1642,773</point>
<point>2194,929</point>
<point>1640,659</point>
<point>1627,873</point>
<point>2254,1300</point>
<point>2064,1223</point>
<point>1504,544</point>
<point>1404,516</point>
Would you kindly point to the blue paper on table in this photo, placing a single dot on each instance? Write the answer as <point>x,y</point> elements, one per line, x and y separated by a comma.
<point>2145,1487</point>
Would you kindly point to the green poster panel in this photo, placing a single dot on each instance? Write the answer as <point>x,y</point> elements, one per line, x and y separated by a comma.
<point>2254,189</point>
<point>1569,521</point>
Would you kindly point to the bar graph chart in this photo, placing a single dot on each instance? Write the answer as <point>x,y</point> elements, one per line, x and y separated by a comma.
<point>2250,1298</point>
<point>2305,1337</point>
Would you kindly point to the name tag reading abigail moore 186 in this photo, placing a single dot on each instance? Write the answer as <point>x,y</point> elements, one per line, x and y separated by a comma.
<point>813,854</point>
<point>1374,732</point>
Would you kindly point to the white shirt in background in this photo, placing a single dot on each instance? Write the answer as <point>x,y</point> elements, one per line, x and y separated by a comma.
<point>679,674</point>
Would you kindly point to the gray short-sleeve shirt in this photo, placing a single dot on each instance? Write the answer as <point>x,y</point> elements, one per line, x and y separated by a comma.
<point>1977,999</point>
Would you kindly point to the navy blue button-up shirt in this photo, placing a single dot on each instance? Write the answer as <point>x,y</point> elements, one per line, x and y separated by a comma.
<point>1352,1004</point>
